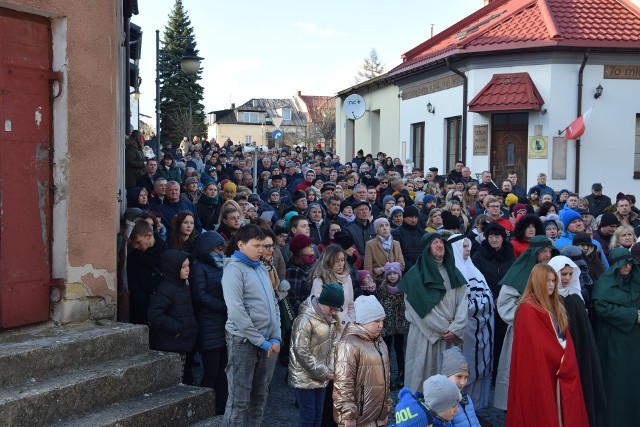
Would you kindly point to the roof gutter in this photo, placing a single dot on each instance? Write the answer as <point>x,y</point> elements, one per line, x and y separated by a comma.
<point>465,100</point>
<point>579,112</point>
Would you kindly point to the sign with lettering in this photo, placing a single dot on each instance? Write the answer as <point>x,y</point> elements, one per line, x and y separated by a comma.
<point>433,86</point>
<point>625,72</point>
<point>480,140</point>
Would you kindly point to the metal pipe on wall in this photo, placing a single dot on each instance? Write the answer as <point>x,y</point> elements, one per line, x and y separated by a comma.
<point>579,112</point>
<point>465,101</point>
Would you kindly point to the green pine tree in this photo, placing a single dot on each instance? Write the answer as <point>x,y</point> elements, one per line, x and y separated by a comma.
<point>181,95</point>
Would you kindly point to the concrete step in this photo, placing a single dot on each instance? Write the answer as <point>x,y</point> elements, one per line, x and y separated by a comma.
<point>177,406</point>
<point>44,350</point>
<point>209,422</point>
<point>76,391</point>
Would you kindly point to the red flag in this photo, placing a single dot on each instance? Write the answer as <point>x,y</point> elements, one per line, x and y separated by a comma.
<point>577,127</point>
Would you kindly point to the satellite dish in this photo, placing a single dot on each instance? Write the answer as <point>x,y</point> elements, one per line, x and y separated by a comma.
<point>354,106</point>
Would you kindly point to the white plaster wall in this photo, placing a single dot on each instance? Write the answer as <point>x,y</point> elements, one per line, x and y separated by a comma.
<point>607,145</point>
<point>386,101</point>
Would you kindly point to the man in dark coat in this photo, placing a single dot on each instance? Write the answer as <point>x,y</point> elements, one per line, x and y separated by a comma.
<point>143,269</point>
<point>598,202</point>
<point>409,236</point>
<point>361,229</point>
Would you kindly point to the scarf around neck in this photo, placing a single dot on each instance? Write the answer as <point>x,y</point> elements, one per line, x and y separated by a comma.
<point>243,258</point>
<point>386,243</point>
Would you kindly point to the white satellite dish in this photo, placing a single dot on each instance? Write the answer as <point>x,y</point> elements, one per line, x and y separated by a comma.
<point>354,106</point>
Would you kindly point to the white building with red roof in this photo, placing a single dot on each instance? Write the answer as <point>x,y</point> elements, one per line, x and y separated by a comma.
<point>495,89</point>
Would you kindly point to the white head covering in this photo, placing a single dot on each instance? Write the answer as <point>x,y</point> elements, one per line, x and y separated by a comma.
<point>558,263</point>
<point>476,283</point>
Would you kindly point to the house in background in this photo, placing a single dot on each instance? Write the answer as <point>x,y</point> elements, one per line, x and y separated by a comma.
<point>495,88</point>
<point>378,129</point>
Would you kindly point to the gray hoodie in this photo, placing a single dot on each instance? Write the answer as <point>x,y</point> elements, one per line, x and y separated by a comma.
<point>252,305</point>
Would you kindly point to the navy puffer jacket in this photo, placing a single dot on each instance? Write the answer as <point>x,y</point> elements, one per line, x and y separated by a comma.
<point>205,280</point>
<point>172,323</point>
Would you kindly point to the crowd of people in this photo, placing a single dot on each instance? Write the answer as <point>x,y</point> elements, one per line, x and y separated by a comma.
<point>328,268</point>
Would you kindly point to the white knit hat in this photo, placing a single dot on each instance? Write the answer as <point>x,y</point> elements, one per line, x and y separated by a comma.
<point>368,309</point>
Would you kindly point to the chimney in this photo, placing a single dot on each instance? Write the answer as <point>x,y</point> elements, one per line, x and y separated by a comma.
<point>299,93</point>
<point>254,102</point>
<point>233,105</point>
<point>486,2</point>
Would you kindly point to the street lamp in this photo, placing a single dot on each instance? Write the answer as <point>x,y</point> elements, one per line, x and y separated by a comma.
<point>190,64</point>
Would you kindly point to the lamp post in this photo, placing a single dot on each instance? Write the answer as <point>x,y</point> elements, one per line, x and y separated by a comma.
<point>189,63</point>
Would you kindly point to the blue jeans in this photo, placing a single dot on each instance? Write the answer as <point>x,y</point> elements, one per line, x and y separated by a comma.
<point>310,403</point>
<point>249,372</point>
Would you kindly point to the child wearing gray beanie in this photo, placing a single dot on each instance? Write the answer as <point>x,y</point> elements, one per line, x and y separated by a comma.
<point>456,368</point>
<point>441,397</point>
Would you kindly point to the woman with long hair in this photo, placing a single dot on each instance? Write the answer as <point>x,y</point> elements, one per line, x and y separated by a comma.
<point>455,207</point>
<point>332,267</point>
<point>184,233</point>
<point>469,198</point>
<point>572,298</point>
<point>547,370</point>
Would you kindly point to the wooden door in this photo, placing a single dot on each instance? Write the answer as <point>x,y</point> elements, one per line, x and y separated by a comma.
<point>509,146</point>
<point>25,171</point>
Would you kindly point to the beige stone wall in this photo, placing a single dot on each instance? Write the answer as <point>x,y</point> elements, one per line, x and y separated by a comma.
<point>87,39</point>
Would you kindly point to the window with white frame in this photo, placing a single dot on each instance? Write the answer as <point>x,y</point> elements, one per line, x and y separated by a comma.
<point>248,139</point>
<point>286,114</point>
<point>249,117</point>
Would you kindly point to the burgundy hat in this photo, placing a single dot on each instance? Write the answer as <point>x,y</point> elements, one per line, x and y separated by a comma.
<point>299,242</point>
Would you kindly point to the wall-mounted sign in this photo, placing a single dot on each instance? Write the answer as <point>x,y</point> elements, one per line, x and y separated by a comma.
<point>538,147</point>
<point>433,86</point>
<point>625,72</point>
<point>481,140</point>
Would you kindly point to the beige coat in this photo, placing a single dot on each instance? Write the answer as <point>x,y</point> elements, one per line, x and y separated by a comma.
<point>375,256</point>
<point>312,343</point>
<point>361,384</point>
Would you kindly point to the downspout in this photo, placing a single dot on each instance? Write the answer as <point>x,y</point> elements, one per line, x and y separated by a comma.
<point>465,99</point>
<point>580,75</point>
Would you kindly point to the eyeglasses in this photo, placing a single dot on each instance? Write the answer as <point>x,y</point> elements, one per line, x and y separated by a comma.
<point>494,206</point>
<point>268,247</point>
<point>384,182</point>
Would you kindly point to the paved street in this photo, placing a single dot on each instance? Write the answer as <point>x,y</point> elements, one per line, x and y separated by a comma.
<point>281,411</point>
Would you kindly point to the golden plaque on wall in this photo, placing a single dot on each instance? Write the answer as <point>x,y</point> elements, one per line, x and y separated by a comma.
<point>538,147</point>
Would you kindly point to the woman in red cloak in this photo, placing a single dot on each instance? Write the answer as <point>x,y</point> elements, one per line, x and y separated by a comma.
<point>544,383</point>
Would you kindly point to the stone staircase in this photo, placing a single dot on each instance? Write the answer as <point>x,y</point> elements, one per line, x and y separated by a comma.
<point>95,374</point>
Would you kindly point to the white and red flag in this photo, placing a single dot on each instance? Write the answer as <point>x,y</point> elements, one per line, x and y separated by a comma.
<point>578,126</point>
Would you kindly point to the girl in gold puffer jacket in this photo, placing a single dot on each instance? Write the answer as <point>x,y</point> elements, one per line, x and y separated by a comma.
<point>361,384</point>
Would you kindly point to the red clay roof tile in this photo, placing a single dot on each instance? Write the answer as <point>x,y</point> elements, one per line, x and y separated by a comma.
<point>508,92</point>
<point>518,24</point>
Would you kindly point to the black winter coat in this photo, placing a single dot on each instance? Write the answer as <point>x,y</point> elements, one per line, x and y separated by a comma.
<point>493,264</point>
<point>205,280</point>
<point>208,213</point>
<point>143,278</point>
<point>172,322</point>
<point>409,239</point>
